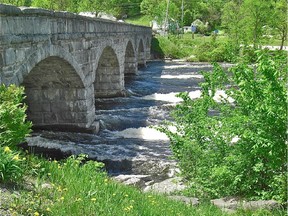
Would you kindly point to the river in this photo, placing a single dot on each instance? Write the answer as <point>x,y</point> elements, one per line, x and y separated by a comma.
<point>126,142</point>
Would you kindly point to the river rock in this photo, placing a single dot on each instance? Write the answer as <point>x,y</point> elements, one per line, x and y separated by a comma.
<point>167,186</point>
<point>134,180</point>
<point>187,200</point>
<point>267,204</point>
<point>231,204</point>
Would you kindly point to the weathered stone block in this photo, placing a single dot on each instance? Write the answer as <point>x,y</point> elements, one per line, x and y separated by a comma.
<point>9,10</point>
<point>10,56</point>
<point>51,94</point>
<point>36,117</point>
<point>60,106</point>
<point>78,106</point>
<point>50,118</point>
<point>65,117</point>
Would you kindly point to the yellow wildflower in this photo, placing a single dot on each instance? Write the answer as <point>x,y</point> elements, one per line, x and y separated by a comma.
<point>93,199</point>
<point>7,149</point>
<point>48,209</point>
<point>36,214</point>
<point>128,208</point>
<point>16,158</point>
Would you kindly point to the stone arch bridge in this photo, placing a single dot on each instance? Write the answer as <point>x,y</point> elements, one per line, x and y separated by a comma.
<point>65,60</point>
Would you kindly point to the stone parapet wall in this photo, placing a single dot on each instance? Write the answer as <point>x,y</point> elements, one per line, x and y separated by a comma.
<point>34,21</point>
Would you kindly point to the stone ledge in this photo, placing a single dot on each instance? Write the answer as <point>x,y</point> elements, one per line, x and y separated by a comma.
<point>36,11</point>
<point>10,10</point>
<point>93,129</point>
<point>231,204</point>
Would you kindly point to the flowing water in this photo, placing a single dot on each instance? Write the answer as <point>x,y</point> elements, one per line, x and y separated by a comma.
<point>126,142</point>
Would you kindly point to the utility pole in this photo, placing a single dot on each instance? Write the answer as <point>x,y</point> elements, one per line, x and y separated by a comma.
<point>166,18</point>
<point>182,15</point>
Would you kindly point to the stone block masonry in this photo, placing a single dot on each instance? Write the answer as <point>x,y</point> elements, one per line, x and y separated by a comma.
<point>65,60</point>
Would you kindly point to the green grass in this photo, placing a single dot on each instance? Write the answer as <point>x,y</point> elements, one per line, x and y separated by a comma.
<point>82,189</point>
<point>139,20</point>
<point>77,188</point>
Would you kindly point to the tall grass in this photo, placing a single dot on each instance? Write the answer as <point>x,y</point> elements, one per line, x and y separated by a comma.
<point>77,188</point>
<point>73,187</point>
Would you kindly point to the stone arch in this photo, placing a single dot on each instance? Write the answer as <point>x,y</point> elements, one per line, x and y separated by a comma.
<point>45,52</point>
<point>130,64</point>
<point>56,96</point>
<point>108,79</point>
<point>141,54</point>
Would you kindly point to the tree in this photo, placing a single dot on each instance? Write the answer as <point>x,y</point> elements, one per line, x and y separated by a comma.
<point>232,21</point>
<point>95,6</point>
<point>245,21</point>
<point>256,16</point>
<point>188,17</point>
<point>155,9</point>
<point>236,146</point>
<point>17,2</point>
<point>279,20</point>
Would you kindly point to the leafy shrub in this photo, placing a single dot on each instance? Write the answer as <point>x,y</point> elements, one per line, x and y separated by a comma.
<point>10,165</point>
<point>13,129</point>
<point>156,49</point>
<point>214,51</point>
<point>171,47</point>
<point>236,147</point>
<point>13,125</point>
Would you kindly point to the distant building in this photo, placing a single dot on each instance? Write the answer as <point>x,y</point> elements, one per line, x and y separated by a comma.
<point>187,29</point>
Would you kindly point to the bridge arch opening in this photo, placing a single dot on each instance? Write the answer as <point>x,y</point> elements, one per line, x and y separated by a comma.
<point>141,55</point>
<point>56,96</point>
<point>130,64</point>
<point>108,80</point>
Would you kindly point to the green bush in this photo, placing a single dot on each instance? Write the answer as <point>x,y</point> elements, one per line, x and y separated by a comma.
<point>214,51</point>
<point>13,130</point>
<point>11,169</point>
<point>239,149</point>
<point>13,125</point>
<point>172,47</point>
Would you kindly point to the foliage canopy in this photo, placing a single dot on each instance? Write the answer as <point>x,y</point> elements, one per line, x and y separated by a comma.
<point>239,148</point>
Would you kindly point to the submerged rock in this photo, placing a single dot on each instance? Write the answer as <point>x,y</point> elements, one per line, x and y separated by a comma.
<point>187,200</point>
